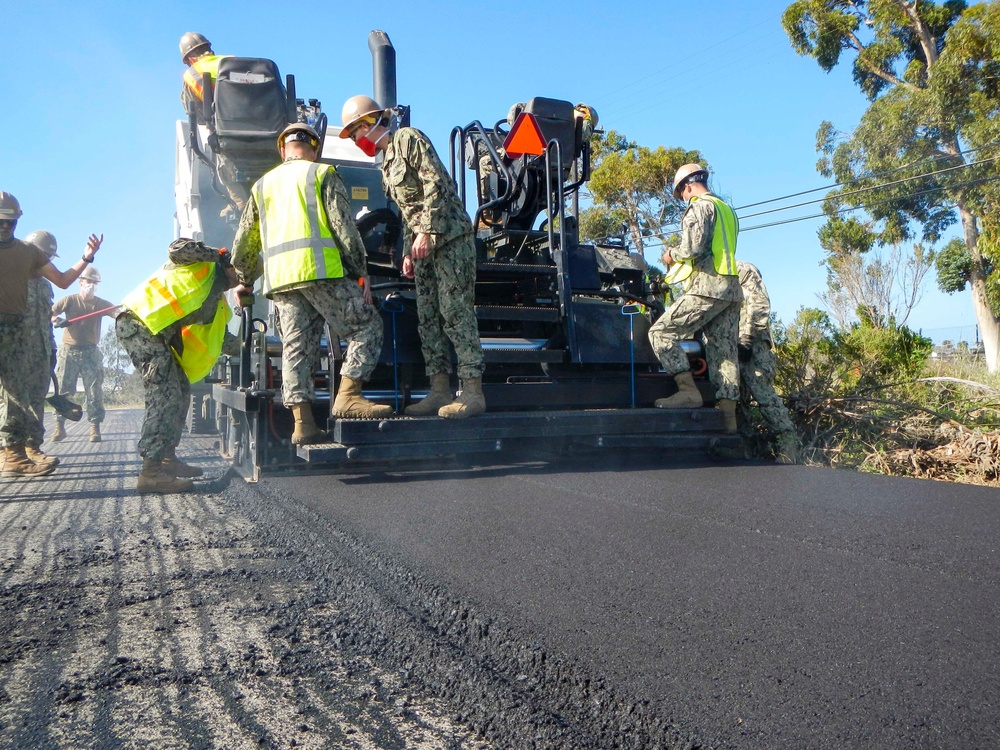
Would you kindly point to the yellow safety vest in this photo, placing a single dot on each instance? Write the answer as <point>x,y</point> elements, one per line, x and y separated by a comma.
<point>174,293</point>
<point>206,65</point>
<point>727,227</point>
<point>295,233</point>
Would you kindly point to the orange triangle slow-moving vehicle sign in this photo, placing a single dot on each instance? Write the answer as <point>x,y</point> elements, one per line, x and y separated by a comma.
<point>525,137</point>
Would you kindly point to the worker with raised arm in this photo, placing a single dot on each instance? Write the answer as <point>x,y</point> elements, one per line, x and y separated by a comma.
<point>80,354</point>
<point>758,364</point>
<point>21,262</point>
<point>711,299</point>
<point>173,327</point>
<point>297,235</point>
<point>439,253</point>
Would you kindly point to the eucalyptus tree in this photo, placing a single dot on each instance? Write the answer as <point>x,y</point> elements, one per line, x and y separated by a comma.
<point>924,155</point>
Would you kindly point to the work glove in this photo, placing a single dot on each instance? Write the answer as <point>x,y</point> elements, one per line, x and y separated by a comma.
<point>745,349</point>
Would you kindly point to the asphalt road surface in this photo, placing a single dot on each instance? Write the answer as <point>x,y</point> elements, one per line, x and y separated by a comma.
<point>582,604</point>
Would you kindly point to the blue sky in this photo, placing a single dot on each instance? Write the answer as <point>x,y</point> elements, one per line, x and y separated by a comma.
<point>92,95</point>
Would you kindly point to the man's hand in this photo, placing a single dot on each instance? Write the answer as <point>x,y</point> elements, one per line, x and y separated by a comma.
<point>93,245</point>
<point>408,266</point>
<point>366,285</point>
<point>745,349</point>
<point>421,246</point>
<point>667,258</point>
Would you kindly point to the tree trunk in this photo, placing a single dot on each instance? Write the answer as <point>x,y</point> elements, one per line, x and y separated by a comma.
<point>989,324</point>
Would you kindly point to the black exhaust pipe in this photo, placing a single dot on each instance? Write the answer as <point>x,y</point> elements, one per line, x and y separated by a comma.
<point>383,69</point>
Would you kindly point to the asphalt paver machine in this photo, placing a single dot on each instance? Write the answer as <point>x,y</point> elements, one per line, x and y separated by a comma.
<point>563,324</point>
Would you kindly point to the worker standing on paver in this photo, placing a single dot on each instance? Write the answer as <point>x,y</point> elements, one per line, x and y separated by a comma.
<point>173,327</point>
<point>758,364</point>
<point>21,263</point>
<point>297,234</point>
<point>80,354</point>
<point>439,253</point>
<point>711,299</point>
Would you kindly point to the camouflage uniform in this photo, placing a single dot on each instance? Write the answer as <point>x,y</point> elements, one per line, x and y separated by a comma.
<point>40,299</point>
<point>757,373</point>
<point>303,308</point>
<point>79,357</point>
<point>37,330</point>
<point>166,386</point>
<point>414,177</point>
<point>710,304</point>
<point>19,358</point>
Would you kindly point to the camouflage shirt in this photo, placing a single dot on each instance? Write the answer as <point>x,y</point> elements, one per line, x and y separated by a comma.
<point>698,225</point>
<point>755,314</point>
<point>247,246</point>
<point>416,179</point>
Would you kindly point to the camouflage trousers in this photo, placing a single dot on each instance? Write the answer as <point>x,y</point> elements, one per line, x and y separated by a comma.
<point>167,390</point>
<point>87,364</point>
<point>446,310</point>
<point>19,423</point>
<point>302,312</point>
<point>719,322</point>
<point>39,347</point>
<point>757,383</point>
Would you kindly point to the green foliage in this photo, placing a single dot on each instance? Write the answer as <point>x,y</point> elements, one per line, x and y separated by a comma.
<point>932,74</point>
<point>954,267</point>
<point>631,185</point>
<point>820,366</point>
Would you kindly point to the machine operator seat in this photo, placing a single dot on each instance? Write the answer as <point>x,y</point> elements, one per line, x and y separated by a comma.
<point>250,109</point>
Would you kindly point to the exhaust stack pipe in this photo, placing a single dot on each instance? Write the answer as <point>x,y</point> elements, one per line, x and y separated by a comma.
<point>383,69</point>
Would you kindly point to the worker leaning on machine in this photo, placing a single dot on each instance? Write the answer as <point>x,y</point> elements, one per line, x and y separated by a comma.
<point>173,327</point>
<point>21,262</point>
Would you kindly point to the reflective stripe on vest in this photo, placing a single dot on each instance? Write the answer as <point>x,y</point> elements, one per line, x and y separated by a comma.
<point>298,244</point>
<point>170,294</point>
<point>204,65</point>
<point>727,227</point>
<point>202,344</point>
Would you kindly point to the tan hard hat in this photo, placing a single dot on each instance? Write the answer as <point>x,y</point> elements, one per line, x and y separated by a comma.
<point>683,173</point>
<point>9,207</point>
<point>355,110</point>
<point>91,274</point>
<point>299,127</point>
<point>44,241</point>
<point>192,41</point>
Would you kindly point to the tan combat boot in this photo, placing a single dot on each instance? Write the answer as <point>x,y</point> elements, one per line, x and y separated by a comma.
<point>305,430</point>
<point>17,464</point>
<point>37,457</point>
<point>470,402</point>
<point>728,408</point>
<point>439,395</point>
<point>177,468</point>
<point>153,478</point>
<point>59,434</point>
<point>95,432</point>
<point>350,404</point>
<point>687,397</point>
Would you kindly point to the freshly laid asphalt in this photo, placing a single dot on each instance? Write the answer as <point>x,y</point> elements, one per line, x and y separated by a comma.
<point>716,604</point>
